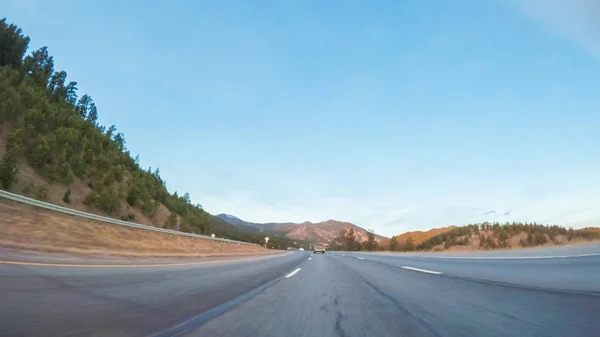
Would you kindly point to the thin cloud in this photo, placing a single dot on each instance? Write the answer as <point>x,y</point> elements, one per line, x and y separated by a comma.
<point>391,216</point>
<point>578,20</point>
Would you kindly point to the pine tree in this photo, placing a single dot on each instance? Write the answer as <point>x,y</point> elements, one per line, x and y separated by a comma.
<point>13,43</point>
<point>393,244</point>
<point>67,196</point>
<point>8,170</point>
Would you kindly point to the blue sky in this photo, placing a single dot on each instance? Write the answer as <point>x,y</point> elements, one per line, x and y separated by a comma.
<point>394,115</point>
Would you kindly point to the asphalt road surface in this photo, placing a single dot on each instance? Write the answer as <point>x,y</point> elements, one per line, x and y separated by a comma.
<point>301,294</point>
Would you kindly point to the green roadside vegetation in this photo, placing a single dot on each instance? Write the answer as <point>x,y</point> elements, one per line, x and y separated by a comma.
<point>55,130</point>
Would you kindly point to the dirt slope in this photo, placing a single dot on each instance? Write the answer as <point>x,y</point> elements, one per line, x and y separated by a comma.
<point>24,226</point>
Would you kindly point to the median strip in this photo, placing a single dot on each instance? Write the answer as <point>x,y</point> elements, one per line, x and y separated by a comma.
<point>421,270</point>
<point>293,273</point>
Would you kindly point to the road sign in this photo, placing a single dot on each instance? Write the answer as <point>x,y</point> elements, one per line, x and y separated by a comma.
<point>266,239</point>
<point>212,235</point>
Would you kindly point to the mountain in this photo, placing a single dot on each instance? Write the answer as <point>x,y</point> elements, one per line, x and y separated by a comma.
<point>231,219</point>
<point>324,231</point>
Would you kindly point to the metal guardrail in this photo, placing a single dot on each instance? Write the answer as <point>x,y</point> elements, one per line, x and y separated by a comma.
<point>64,210</point>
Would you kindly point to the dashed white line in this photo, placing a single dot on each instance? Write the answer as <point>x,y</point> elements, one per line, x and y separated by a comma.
<point>421,270</point>
<point>292,273</point>
<point>360,258</point>
<point>179,333</point>
<point>310,258</point>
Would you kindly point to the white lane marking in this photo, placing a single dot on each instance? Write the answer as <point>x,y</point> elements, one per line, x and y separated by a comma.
<point>310,258</point>
<point>293,273</point>
<point>498,257</point>
<point>421,270</point>
<point>343,254</point>
<point>179,333</point>
<point>360,258</point>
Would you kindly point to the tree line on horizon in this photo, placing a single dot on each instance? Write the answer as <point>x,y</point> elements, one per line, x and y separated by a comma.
<point>56,132</point>
<point>491,236</point>
<point>495,235</point>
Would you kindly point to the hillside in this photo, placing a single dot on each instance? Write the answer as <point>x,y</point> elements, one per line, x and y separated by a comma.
<point>418,237</point>
<point>33,228</point>
<point>52,148</point>
<point>486,236</point>
<point>325,231</point>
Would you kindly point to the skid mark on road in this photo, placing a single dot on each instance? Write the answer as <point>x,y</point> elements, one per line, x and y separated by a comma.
<point>420,323</point>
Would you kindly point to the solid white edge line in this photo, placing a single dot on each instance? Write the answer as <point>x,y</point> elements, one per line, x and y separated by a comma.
<point>422,270</point>
<point>497,257</point>
<point>292,273</point>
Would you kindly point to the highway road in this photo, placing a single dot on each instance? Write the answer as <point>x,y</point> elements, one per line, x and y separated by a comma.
<point>301,294</point>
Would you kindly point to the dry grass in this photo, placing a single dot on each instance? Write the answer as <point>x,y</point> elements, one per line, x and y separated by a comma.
<point>24,226</point>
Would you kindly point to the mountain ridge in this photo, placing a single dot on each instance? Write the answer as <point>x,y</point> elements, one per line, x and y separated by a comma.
<point>323,231</point>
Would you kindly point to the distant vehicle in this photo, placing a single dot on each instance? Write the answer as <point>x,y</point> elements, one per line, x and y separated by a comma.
<point>301,249</point>
<point>319,247</point>
<point>289,248</point>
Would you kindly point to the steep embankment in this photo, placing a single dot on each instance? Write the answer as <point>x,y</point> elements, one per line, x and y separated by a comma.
<point>28,227</point>
<point>30,183</point>
<point>53,149</point>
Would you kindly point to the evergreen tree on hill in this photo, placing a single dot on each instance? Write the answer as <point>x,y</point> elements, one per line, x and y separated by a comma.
<point>56,132</point>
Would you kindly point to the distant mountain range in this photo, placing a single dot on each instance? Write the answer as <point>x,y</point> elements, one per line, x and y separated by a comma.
<point>324,231</point>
